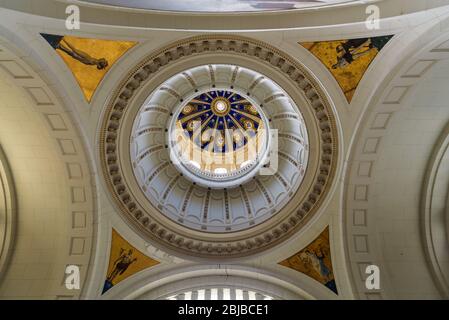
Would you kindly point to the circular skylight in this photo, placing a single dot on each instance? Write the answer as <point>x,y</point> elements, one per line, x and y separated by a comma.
<point>219,137</point>
<point>218,5</point>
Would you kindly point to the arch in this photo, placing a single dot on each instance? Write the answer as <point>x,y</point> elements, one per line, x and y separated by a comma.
<point>8,213</point>
<point>175,279</point>
<point>435,212</point>
<point>70,182</point>
<point>367,228</point>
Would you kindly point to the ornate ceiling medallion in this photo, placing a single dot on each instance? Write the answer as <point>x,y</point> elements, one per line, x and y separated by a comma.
<point>221,105</point>
<point>198,209</point>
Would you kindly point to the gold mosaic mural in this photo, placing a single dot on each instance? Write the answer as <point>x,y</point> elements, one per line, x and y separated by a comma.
<point>315,261</point>
<point>88,59</point>
<point>124,261</point>
<point>347,60</point>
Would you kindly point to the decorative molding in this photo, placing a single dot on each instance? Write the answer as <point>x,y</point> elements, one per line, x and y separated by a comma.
<point>381,121</point>
<point>39,96</point>
<point>418,69</point>
<point>14,69</point>
<point>371,145</point>
<point>396,95</point>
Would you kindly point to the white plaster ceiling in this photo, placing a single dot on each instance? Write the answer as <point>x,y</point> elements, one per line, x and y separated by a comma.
<point>219,5</point>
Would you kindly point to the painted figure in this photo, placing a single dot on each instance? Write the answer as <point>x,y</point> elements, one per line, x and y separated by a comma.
<point>121,263</point>
<point>316,261</point>
<point>353,49</point>
<point>324,270</point>
<point>58,42</point>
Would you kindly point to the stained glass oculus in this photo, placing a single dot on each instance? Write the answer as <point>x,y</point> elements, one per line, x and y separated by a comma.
<point>220,121</point>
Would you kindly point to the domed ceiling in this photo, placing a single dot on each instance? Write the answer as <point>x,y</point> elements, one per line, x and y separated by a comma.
<point>218,5</point>
<point>210,158</point>
<point>214,172</point>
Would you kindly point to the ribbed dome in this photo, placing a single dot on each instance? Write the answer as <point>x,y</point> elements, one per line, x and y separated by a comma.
<point>240,194</point>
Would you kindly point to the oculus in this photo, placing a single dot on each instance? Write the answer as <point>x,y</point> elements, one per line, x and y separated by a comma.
<point>219,138</point>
